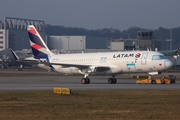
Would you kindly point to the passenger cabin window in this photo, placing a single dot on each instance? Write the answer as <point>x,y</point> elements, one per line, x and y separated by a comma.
<point>158,57</point>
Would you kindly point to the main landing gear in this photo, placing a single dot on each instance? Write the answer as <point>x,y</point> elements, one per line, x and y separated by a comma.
<point>85,80</point>
<point>110,80</point>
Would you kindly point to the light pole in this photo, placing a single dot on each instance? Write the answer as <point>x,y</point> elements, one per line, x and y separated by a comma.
<point>170,40</point>
<point>83,42</point>
<point>59,42</point>
<point>23,44</point>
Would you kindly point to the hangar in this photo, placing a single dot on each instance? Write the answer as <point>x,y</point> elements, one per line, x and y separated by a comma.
<point>15,32</point>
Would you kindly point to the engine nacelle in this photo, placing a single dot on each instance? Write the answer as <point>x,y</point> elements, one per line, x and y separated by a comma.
<point>115,69</point>
<point>44,66</point>
<point>66,70</point>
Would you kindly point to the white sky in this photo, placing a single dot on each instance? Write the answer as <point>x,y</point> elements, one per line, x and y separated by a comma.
<point>94,14</point>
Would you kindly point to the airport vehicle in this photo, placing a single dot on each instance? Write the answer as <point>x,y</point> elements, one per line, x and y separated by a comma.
<point>111,63</point>
<point>165,79</point>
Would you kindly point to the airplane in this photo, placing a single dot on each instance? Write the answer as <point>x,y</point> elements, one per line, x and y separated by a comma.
<point>101,63</point>
<point>171,52</point>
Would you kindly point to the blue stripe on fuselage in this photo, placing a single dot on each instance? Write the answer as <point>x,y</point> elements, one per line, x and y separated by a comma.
<point>130,64</point>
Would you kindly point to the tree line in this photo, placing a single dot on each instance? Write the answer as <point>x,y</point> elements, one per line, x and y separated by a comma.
<point>160,34</point>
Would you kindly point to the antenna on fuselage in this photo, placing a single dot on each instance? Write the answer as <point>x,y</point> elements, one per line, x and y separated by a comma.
<point>156,49</point>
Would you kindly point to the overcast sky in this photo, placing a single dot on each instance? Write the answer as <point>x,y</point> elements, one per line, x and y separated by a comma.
<point>95,14</point>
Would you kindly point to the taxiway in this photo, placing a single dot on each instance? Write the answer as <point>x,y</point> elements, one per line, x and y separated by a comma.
<point>41,83</point>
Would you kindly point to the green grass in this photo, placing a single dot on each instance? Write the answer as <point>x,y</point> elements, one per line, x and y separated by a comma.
<point>91,105</point>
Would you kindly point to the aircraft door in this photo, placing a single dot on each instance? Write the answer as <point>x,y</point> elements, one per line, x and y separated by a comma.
<point>144,58</point>
<point>103,59</point>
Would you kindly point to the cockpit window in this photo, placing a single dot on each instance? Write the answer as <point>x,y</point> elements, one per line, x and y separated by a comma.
<point>158,57</point>
<point>163,57</point>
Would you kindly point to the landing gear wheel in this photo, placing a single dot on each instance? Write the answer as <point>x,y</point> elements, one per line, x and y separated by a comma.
<point>114,80</point>
<point>88,80</point>
<point>110,80</point>
<point>85,80</point>
<point>153,82</point>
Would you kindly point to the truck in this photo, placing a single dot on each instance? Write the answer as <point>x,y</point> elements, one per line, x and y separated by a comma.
<point>165,79</point>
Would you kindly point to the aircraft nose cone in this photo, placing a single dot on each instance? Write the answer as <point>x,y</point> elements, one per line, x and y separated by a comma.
<point>168,64</point>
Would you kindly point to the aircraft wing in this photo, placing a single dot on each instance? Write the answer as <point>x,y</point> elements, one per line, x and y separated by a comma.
<point>28,61</point>
<point>98,68</point>
<point>92,68</point>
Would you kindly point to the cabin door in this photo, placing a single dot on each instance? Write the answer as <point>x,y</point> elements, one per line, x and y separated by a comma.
<point>144,59</point>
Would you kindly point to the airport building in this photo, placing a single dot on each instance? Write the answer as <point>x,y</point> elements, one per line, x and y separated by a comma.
<point>66,42</point>
<point>144,41</point>
<point>16,28</point>
<point>77,44</point>
<point>13,32</point>
<point>2,41</point>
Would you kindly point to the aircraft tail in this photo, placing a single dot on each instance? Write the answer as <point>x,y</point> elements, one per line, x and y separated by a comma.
<point>38,46</point>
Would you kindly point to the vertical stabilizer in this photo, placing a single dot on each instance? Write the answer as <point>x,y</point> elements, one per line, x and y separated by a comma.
<point>39,48</point>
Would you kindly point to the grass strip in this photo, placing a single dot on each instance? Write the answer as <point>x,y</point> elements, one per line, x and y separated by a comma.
<point>92,104</point>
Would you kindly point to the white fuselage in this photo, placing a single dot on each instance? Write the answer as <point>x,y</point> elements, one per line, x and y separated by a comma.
<point>117,62</point>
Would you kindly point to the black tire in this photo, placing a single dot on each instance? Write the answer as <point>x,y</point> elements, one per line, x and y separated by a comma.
<point>83,81</point>
<point>173,81</point>
<point>110,80</point>
<point>153,82</point>
<point>88,80</point>
<point>162,82</point>
<point>114,80</point>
